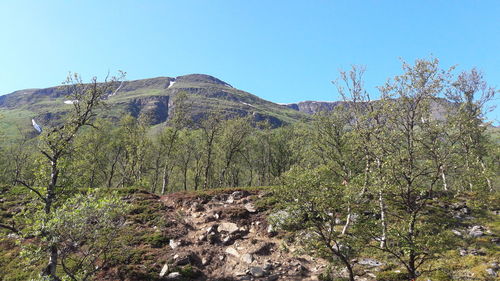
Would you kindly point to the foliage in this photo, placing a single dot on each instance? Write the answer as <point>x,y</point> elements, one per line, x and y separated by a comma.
<point>312,201</point>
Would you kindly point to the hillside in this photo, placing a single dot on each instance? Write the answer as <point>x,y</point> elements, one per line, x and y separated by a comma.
<point>225,234</point>
<point>152,97</point>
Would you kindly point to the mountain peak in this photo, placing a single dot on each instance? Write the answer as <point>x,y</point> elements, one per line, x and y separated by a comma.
<point>201,78</point>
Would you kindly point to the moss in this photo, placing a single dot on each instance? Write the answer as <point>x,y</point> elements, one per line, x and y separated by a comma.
<point>440,275</point>
<point>12,265</point>
<point>189,272</point>
<point>156,240</point>
<point>392,276</point>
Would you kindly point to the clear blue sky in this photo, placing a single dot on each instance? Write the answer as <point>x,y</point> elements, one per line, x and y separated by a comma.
<point>283,51</point>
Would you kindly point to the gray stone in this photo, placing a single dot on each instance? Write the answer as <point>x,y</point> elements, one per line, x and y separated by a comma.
<point>456,232</point>
<point>370,262</point>
<point>256,271</point>
<point>232,251</point>
<point>272,278</point>
<point>476,231</point>
<point>248,258</point>
<point>491,272</point>
<point>228,227</point>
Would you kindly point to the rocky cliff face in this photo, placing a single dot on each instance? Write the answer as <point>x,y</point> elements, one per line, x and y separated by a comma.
<point>312,107</point>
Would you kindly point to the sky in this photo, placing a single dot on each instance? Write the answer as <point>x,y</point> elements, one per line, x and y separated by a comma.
<point>281,50</point>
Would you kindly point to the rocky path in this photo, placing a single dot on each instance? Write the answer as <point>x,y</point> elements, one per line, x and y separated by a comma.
<point>229,239</point>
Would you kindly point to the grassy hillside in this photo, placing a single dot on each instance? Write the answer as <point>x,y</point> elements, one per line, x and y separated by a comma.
<point>148,96</point>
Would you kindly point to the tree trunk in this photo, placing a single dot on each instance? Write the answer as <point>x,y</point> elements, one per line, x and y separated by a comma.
<point>412,270</point>
<point>383,238</point>
<point>443,177</point>
<point>51,267</point>
<point>490,186</point>
<point>348,220</point>
<point>165,179</point>
<point>206,182</point>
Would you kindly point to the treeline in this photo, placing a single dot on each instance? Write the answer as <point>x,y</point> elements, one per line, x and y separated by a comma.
<point>220,152</point>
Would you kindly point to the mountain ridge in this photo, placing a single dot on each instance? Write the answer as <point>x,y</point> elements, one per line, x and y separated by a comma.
<point>152,97</point>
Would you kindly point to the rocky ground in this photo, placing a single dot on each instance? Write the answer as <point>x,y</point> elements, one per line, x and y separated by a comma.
<point>228,239</point>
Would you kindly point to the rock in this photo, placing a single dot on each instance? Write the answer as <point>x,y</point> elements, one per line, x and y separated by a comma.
<point>212,238</point>
<point>256,271</point>
<point>197,207</point>
<point>476,231</point>
<point>270,228</point>
<point>174,244</point>
<point>264,249</point>
<point>495,265</point>
<point>202,237</point>
<point>232,251</point>
<point>12,236</point>
<point>268,266</point>
<point>238,195</point>
<point>463,252</point>
<point>228,227</point>
<point>174,276</point>
<point>279,218</point>
<point>164,270</point>
<point>370,262</point>
<point>205,261</point>
<point>211,228</point>
<point>476,252</point>
<point>248,258</point>
<point>227,240</point>
<point>491,272</point>
<point>182,261</point>
<point>250,208</point>
<point>456,232</point>
<point>272,278</point>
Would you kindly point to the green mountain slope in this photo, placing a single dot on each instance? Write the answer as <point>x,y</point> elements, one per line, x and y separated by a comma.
<point>152,97</point>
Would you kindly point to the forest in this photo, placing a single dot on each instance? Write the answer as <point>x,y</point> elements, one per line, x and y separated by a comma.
<point>380,177</point>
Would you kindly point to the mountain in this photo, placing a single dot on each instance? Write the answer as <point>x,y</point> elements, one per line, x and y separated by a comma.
<point>152,97</point>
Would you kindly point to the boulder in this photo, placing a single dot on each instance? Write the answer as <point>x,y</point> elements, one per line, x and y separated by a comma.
<point>228,227</point>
